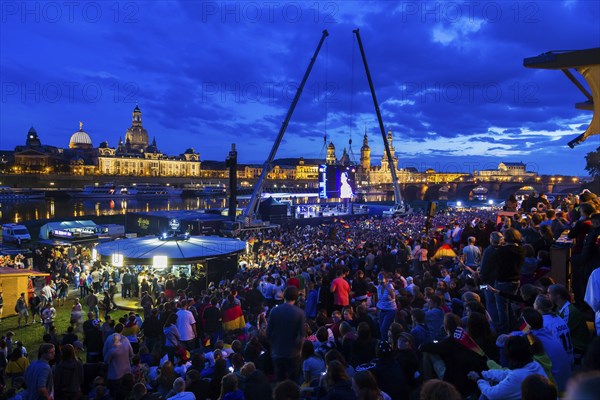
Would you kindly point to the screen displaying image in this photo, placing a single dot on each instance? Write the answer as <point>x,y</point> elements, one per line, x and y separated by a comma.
<point>337,182</point>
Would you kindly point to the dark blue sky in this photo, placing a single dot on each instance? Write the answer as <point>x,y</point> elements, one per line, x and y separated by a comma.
<point>448,75</point>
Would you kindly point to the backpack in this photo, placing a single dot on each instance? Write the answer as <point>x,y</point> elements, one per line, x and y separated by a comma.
<point>35,301</point>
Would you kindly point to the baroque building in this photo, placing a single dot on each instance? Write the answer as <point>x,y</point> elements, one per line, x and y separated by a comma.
<point>136,157</point>
<point>506,172</point>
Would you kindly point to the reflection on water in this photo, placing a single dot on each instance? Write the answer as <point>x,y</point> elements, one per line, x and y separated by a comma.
<point>58,208</point>
<point>20,211</point>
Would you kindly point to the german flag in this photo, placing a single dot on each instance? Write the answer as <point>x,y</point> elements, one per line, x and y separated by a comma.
<point>233,318</point>
<point>278,243</point>
<point>462,337</point>
<point>347,226</point>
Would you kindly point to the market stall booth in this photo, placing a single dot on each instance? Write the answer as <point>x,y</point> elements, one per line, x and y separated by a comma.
<point>13,282</point>
<point>203,258</point>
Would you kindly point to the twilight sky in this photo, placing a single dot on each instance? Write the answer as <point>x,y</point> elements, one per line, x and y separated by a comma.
<point>448,75</point>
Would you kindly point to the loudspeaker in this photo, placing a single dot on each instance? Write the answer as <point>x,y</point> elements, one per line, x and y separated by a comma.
<point>431,209</point>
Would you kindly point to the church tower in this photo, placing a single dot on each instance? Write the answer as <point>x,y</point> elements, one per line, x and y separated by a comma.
<point>345,159</point>
<point>384,160</point>
<point>365,154</point>
<point>136,137</point>
<point>391,143</point>
<point>331,158</point>
<point>137,116</point>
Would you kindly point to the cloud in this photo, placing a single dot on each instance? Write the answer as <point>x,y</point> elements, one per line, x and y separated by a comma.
<point>457,32</point>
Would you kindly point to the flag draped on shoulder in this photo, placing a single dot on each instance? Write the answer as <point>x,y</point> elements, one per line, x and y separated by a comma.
<point>233,318</point>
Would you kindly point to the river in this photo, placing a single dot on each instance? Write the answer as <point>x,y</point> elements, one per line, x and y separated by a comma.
<point>19,211</point>
<point>49,208</point>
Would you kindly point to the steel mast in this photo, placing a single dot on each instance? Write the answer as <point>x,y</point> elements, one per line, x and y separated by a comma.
<point>251,211</point>
<point>397,194</point>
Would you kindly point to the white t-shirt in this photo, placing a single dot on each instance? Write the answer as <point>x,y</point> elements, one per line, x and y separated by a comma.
<point>592,296</point>
<point>185,320</point>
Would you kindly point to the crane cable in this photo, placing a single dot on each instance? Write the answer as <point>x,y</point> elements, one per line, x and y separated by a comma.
<point>352,156</point>
<point>326,84</point>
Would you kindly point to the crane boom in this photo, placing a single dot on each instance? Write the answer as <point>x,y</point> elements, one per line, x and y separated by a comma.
<point>250,212</point>
<point>397,194</point>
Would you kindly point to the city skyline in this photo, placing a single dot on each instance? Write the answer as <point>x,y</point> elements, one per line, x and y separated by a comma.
<point>208,74</point>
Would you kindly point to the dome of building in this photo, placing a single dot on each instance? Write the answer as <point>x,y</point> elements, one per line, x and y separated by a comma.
<point>80,139</point>
<point>331,146</point>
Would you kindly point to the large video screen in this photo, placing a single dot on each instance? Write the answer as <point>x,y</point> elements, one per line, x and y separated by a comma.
<point>337,182</point>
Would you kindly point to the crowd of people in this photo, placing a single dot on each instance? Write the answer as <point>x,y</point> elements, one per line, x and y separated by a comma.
<point>361,308</point>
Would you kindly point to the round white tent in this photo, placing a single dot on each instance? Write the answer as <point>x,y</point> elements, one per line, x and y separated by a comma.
<point>145,250</point>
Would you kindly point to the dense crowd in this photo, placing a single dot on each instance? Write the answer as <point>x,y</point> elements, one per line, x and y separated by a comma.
<point>362,308</point>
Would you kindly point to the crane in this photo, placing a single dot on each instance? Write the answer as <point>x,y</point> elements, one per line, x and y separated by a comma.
<point>399,207</point>
<point>249,215</point>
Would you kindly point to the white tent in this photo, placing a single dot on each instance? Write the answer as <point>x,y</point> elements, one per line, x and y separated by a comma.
<point>144,250</point>
<point>68,229</point>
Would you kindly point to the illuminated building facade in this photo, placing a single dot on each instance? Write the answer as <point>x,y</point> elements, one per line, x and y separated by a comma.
<point>506,172</point>
<point>134,157</point>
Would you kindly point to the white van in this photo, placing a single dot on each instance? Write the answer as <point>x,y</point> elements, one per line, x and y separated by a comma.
<point>13,233</point>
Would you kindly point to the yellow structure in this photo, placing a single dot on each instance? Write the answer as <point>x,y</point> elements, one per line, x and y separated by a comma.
<point>13,282</point>
<point>331,158</point>
<point>365,154</point>
<point>148,164</point>
<point>431,176</point>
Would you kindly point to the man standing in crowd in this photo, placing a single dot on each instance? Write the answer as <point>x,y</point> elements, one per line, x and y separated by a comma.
<point>21,310</point>
<point>512,257</point>
<point>91,300</point>
<point>582,227</point>
<point>38,376</point>
<point>126,284</point>
<point>472,254</point>
<point>341,290</point>
<point>487,272</point>
<point>186,325</point>
<point>286,332</point>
